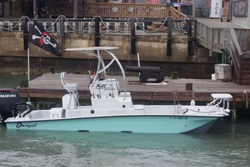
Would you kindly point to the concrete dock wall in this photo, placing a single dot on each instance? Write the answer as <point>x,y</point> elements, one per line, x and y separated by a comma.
<point>152,49</point>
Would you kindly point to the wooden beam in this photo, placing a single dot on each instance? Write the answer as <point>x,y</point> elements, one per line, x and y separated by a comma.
<point>179,10</point>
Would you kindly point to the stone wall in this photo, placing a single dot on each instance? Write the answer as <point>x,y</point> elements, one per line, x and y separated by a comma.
<point>244,22</point>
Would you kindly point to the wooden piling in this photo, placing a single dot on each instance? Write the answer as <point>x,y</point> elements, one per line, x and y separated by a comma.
<point>190,38</point>
<point>234,115</point>
<point>97,31</point>
<point>133,37</point>
<point>169,41</point>
<point>61,34</point>
<point>75,9</point>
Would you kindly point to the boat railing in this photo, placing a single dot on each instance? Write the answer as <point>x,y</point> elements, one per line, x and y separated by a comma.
<point>213,105</point>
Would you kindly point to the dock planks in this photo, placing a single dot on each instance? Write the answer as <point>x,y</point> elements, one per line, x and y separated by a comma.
<point>49,86</point>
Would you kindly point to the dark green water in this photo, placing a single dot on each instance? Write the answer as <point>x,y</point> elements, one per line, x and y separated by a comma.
<point>224,145</point>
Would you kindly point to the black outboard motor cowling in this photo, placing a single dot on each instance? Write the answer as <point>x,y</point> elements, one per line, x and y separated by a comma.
<point>8,98</point>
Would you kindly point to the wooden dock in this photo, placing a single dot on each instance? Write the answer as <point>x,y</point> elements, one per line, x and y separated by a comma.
<point>49,86</point>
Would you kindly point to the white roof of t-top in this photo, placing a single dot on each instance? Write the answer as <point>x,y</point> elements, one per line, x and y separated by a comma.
<point>92,48</point>
<point>221,96</point>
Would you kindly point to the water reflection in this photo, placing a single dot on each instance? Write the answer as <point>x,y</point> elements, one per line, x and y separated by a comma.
<point>216,148</point>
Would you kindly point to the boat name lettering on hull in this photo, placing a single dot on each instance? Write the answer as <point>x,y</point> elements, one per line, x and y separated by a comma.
<point>21,125</point>
<point>101,86</point>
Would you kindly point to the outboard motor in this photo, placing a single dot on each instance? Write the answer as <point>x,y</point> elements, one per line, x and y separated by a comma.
<point>8,98</point>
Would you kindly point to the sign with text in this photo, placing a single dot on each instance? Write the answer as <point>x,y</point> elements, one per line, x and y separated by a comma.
<point>152,1</point>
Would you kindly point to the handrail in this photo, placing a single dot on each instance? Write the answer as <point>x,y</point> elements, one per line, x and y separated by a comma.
<point>231,44</point>
<point>236,42</point>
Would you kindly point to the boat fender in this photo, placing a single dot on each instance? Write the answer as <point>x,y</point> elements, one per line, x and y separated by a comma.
<point>92,111</point>
<point>185,111</point>
<point>192,103</point>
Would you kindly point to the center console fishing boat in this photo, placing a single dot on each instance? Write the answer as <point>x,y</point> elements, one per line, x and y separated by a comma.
<point>114,111</point>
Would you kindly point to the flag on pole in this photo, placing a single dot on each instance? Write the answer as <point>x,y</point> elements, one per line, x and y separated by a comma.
<point>39,37</point>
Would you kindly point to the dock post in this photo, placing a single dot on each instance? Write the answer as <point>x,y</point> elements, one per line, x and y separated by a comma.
<point>234,115</point>
<point>75,9</point>
<point>61,34</point>
<point>35,14</point>
<point>169,41</point>
<point>190,39</point>
<point>133,37</point>
<point>97,31</point>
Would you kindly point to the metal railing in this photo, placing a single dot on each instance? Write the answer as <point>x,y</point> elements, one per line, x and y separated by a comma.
<point>232,46</point>
<point>86,25</point>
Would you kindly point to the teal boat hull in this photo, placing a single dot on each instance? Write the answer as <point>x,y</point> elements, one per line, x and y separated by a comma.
<point>129,124</point>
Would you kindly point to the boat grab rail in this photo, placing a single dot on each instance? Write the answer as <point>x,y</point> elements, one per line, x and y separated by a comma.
<point>214,106</point>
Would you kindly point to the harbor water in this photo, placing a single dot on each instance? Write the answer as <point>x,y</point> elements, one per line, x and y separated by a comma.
<point>226,144</point>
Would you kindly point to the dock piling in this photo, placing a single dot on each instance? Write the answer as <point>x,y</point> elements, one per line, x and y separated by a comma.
<point>190,38</point>
<point>169,41</point>
<point>133,37</point>
<point>61,34</point>
<point>97,31</point>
